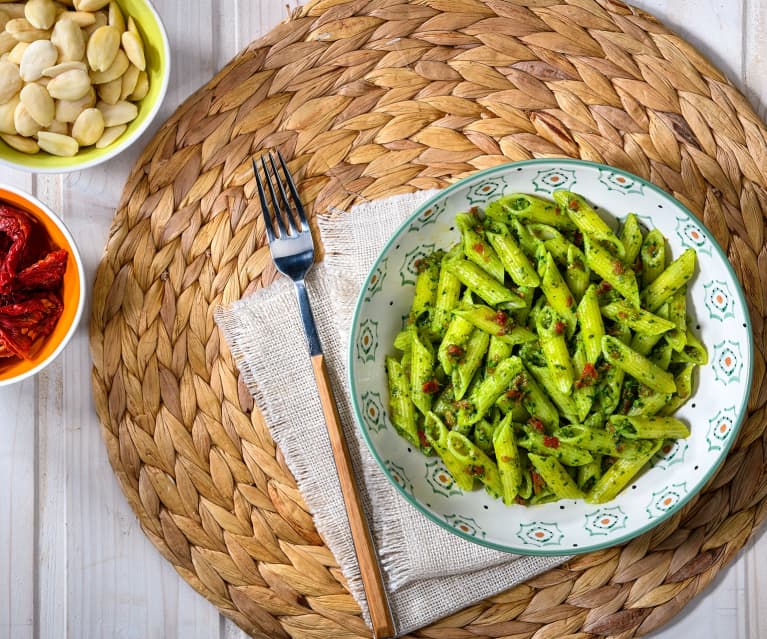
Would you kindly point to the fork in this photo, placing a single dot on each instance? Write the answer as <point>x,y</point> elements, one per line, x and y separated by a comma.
<point>292,249</point>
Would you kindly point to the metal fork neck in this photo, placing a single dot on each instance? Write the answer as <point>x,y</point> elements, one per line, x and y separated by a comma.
<point>310,328</point>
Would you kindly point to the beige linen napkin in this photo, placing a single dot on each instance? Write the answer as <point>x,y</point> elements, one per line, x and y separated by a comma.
<point>428,572</point>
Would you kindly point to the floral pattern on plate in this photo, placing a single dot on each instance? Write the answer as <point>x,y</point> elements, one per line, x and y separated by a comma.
<point>727,362</point>
<point>620,182</point>
<point>440,480</point>
<point>540,534</point>
<point>720,427</point>
<point>605,520</point>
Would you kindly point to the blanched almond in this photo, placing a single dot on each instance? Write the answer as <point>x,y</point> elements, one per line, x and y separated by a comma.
<point>38,103</point>
<point>14,10</point>
<point>90,5</point>
<point>116,17</point>
<point>17,53</point>
<point>23,31</point>
<point>142,87</point>
<point>80,18</point>
<point>4,17</point>
<point>40,13</point>
<point>68,110</point>
<point>99,20</point>
<point>102,48</point>
<point>110,135</point>
<point>70,85</point>
<point>69,40</point>
<point>120,113</point>
<point>24,123</point>
<point>129,81</point>
<point>58,127</point>
<point>25,145</point>
<point>89,127</point>
<point>110,91</point>
<point>57,144</point>
<point>134,49</point>
<point>37,56</point>
<point>119,66</point>
<point>58,69</point>
<point>7,42</point>
<point>10,81</point>
<point>7,111</point>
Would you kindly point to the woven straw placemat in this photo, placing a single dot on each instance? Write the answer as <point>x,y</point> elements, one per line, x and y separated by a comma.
<point>369,98</point>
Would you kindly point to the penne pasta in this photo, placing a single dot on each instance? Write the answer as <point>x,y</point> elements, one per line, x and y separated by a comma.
<point>653,256</point>
<point>592,327</point>
<point>617,477</point>
<point>636,365</point>
<point>480,282</point>
<point>587,220</point>
<point>529,209</point>
<point>476,248</point>
<point>668,282</point>
<point>512,257</point>
<point>551,336</point>
<point>631,237</point>
<point>556,292</point>
<point>555,476</point>
<point>470,362</point>
<point>544,355</point>
<point>436,434</point>
<point>647,427</point>
<point>637,319</point>
<point>402,409</point>
<point>475,462</point>
<point>508,460</point>
<point>612,270</point>
<point>497,323</point>
<point>447,295</point>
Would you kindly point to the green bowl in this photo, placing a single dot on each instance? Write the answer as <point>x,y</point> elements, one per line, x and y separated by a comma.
<point>158,69</point>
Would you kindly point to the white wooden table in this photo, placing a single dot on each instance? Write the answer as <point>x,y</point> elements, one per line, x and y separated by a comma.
<point>74,563</point>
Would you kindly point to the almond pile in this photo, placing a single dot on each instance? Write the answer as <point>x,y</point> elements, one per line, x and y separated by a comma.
<point>71,72</point>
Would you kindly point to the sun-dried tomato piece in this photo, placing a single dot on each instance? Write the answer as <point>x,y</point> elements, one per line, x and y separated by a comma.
<point>430,386</point>
<point>47,273</point>
<point>24,322</point>
<point>31,275</point>
<point>604,287</point>
<point>455,352</point>
<point>16,226</point>
<point>588,376</point>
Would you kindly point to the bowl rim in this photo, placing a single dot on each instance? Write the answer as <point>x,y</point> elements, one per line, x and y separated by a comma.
<point>120,145</point>
<point>620,539</point>
<point>75,252</point>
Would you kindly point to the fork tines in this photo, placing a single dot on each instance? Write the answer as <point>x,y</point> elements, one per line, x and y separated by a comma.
<point>292,213</point>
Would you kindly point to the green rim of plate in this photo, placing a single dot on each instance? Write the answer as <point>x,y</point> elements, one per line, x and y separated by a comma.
<point>514,549</point>
<point>157,50</point>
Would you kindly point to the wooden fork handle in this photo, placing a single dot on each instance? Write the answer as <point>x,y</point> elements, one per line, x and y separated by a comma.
<point>366,554</point>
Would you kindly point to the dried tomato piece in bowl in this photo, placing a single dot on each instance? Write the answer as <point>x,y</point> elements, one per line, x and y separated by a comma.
<point>16,226</point>
<point>31,277</point>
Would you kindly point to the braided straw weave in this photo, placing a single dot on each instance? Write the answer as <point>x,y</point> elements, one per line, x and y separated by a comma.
<point>369,98</point>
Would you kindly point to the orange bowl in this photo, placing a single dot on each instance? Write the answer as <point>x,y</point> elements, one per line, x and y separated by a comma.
<point>72,293</point>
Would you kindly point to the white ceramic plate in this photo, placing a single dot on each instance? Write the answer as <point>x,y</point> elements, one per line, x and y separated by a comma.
<point>714,413</point>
